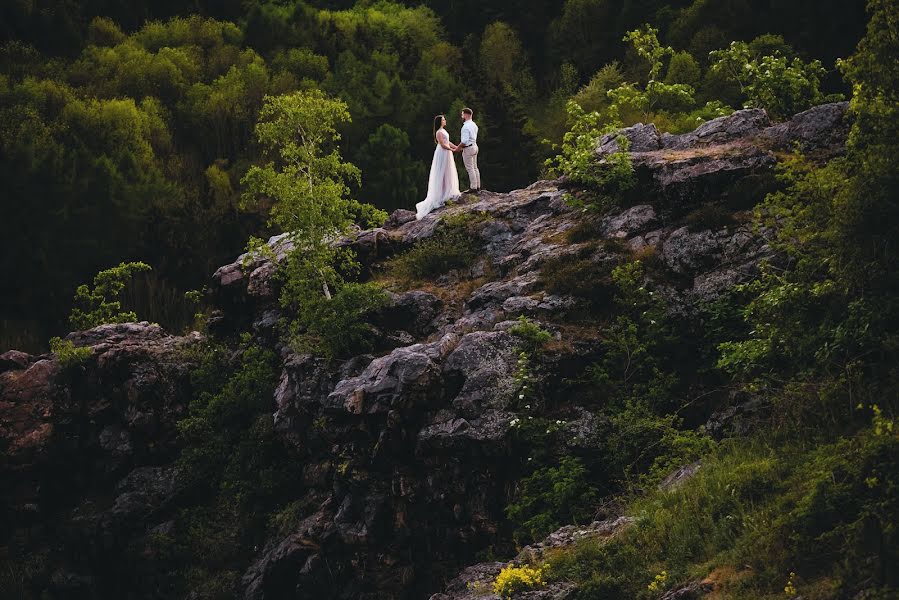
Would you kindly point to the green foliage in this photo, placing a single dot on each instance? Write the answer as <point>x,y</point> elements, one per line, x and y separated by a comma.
<point>308,187</point>
<point>824,329</point>
<point>238,472</point>
<point>594,97</point>
<point>338,327</point>
<point>452,247</point>
<point>67,354</point>
<point>824,513</point>
<point>101,304</point>
<point>609,178</point>
<point>550,497</point>
<point>532,336</point>
<point>504,61</point>
<point>810,321</point>
<point>390,179</point>
<point>781,86</point>
<point>531,340</point>
<point>632,365</point>
<point>646,42</point>
<point>307,178</point>
<point>683,69</point>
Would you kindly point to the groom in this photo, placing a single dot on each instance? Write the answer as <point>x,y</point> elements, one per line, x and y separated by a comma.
<point>469,149</point>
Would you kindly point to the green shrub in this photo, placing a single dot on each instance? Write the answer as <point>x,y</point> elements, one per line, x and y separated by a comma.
<point>766,506</point>
<point>102,304</point>
<point>781,85</point>
<point>237,470</point>
<point>551,497</point>
<point>606,179</point>
<point>532,337</point>
<point>67,354</point>
<point>339,326</point>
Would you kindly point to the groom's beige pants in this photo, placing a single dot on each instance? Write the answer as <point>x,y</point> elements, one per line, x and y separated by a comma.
<point>470,160</point>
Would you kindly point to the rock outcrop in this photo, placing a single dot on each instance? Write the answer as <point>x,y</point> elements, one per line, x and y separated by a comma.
<point>88,446</point>
<point>409,453</point>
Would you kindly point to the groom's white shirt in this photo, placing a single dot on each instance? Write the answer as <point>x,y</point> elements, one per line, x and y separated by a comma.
<point>469,133</point>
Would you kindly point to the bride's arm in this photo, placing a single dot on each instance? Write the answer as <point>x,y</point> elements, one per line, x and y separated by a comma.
<point>445,143</point>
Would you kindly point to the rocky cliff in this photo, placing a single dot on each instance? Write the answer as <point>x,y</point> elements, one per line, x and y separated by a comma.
<point>409,453</point>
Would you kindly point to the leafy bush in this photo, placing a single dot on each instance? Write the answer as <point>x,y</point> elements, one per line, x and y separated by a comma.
<point>67,354</point>
<point>339,326</point>
<point>607,179</point>
<point>102,303</point>
<point>532,337</point>
<point>551,497</point>
<point>780,85</point>
<point>825,513</point>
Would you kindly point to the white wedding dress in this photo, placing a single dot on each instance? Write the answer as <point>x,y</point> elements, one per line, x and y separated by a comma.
<point>443,183</point>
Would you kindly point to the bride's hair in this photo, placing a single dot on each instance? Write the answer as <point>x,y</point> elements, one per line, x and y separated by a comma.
<point>438,123</point>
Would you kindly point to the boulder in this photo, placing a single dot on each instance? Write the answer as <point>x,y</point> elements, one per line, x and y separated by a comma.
<point>739,125</point>
<point>640,137</point>
<point>480,373</point>
<point>406,378</point>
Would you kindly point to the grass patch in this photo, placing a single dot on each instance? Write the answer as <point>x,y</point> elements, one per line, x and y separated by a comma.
<point>584,230</point>
<point>759,510</point>
<point>580,277</point>
<point>453,247</point>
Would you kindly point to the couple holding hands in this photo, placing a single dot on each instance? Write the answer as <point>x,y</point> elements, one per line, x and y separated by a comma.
<point>443,183</point>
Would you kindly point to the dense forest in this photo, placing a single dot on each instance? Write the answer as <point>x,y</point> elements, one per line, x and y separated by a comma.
<point>127,128</point>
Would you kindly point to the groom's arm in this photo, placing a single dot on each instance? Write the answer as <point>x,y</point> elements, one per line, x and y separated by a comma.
<point>466,138</point>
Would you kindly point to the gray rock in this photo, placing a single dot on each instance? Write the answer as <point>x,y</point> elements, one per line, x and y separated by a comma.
<point>276,569</point>
<point>483,435</point>
<point>825,126</point>
<point>414,311</point>
<point>685,179</point>
<point>399,217</point>
<point>628,222</point>
<point>494,293</point>
<point>476,582</point>
<point>305,379</point>
<point>482,368</point>
<point>143,492</point>
<point>691,591</point>
<point>678,476</point>
<point>686,251</point>
<point>520,305</point>
<point>741,124</point>
<point>552,304</point>
<point>13,359</point>
<point>407,377</point>
<point>642,138</point>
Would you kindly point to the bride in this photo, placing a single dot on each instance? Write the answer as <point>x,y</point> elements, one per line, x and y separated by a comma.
<point>443,184</point>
